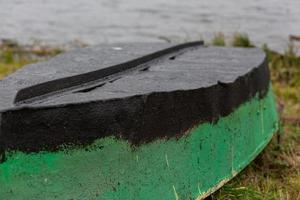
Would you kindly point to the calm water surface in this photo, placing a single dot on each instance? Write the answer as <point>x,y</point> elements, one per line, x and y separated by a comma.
<point>97,21</point>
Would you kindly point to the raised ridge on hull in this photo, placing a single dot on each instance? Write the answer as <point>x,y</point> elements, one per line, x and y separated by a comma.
<point>89,78</point>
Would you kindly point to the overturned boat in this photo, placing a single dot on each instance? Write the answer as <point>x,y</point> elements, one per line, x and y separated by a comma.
<point>134,121</point>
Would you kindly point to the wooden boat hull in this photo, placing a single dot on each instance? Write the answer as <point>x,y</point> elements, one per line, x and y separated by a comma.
<point>187,166</point>
<point>191,167</point>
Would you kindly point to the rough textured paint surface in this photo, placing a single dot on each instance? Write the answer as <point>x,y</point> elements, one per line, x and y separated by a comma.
<point>155,99</point>
<point>186,168</point>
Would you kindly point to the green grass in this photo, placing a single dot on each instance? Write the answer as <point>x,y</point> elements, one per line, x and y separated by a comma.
<point>237,40</point>
<point>241,40</point>
<point>275,173</point>
<point>9,62</point>
<point>218,40</point>
<point>13,56</point>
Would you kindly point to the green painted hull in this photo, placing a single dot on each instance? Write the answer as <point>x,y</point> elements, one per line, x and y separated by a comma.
<point>190,167</point>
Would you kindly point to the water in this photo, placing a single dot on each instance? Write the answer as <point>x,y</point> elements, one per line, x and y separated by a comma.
<point>98,21</point>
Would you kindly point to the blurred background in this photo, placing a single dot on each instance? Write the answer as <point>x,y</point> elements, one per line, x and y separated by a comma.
<point>98,21</point>
<point>35,30</point>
